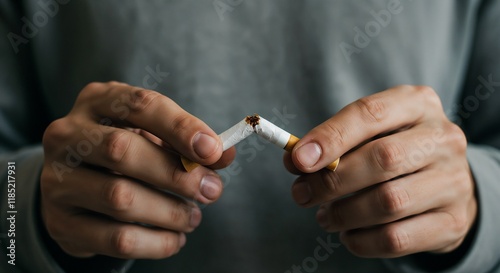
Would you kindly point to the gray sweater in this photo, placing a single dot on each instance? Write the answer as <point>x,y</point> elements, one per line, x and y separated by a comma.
<point>295,63</point>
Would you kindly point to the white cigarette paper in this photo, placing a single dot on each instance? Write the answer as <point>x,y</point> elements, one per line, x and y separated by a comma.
<point>263,128</point>
<point>235,134</point>
<point>272,133</point>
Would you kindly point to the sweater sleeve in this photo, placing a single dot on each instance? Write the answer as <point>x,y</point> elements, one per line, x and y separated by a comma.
<point>24,243</point>
<point>478,113</point>
<point>19,236</point>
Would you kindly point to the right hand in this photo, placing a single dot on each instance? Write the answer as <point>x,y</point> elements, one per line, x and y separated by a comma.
<point>110,174</point>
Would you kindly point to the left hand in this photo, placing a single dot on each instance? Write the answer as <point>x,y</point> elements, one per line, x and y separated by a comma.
<point>403,184</point>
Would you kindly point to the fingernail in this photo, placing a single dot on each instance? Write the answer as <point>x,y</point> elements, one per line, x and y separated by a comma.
<point>302,193</point>
<point>309,154</point>
<point>182,240</point>
<point>210,187</point>
<point>321,217</point>
<point>195,218</point>
<point>204,145</point>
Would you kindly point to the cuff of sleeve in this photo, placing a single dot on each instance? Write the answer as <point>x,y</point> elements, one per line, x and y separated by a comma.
<point>482,254</point>
<point>34,250</point>
<point>30,254</point>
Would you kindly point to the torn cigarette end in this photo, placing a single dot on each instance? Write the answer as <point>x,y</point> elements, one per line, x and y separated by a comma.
<point>253,120</point>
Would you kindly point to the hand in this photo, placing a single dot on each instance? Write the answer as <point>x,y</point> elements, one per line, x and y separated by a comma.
<point>403,184</point>
<point>110,173</point>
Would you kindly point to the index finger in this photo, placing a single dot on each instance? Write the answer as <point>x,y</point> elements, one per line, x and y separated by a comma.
<point>367,117</point>
<point>155,113</point>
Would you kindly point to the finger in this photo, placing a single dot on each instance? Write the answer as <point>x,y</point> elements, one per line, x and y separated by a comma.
<point>156,140</point>
<point>377,161</point>
<point>225,160</point>
<point>156,114</point>
<point>94,234</point>
<point>390,201</point>
<point>128,201</point>
<point>132,155</point>
<point>407,236</point>
<point>370,116</point>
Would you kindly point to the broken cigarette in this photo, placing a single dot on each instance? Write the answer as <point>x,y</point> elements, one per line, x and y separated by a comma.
<point>263,128</point>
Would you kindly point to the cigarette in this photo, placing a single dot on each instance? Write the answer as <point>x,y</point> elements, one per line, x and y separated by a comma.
<point>263,128</point>
<point>237,133</point>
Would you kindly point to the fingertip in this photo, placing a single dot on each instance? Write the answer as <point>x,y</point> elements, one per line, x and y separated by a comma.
<point>194,218</point>
<point>322,217</point>
<point>211,187</point>
<point>182,240</point>
<point>194,139</point>
<point>306,156</point>
<point>208,147</point>
<point>302,193</point>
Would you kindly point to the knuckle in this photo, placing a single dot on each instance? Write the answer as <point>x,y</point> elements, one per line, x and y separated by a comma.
<point>118,195</point>
<point>58,131</point>
<point>47,181</point>
<point>142,99</point>
<point>458,180</point>
<point>392,199</point>
<point>175,177</point>
<point>456,138</point>
<point>55,227</point>
<point>114,83</point>
<point>449,248</point>
<point>404,87</point>
<point>116,146</point>
<point>459,223</point>
<point>429,95</point>
<point>93,86</point>
<point>461,184</point>
<point>462,225</point>
<point>182,123</point>
<point>373,109</point>
<point>177,214</point>
<point>90,90</point>
<point>389,156</point>
<point>123,241</point>
<point>396,241</point>
<point>336,134</point>
<point>182,183</point>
